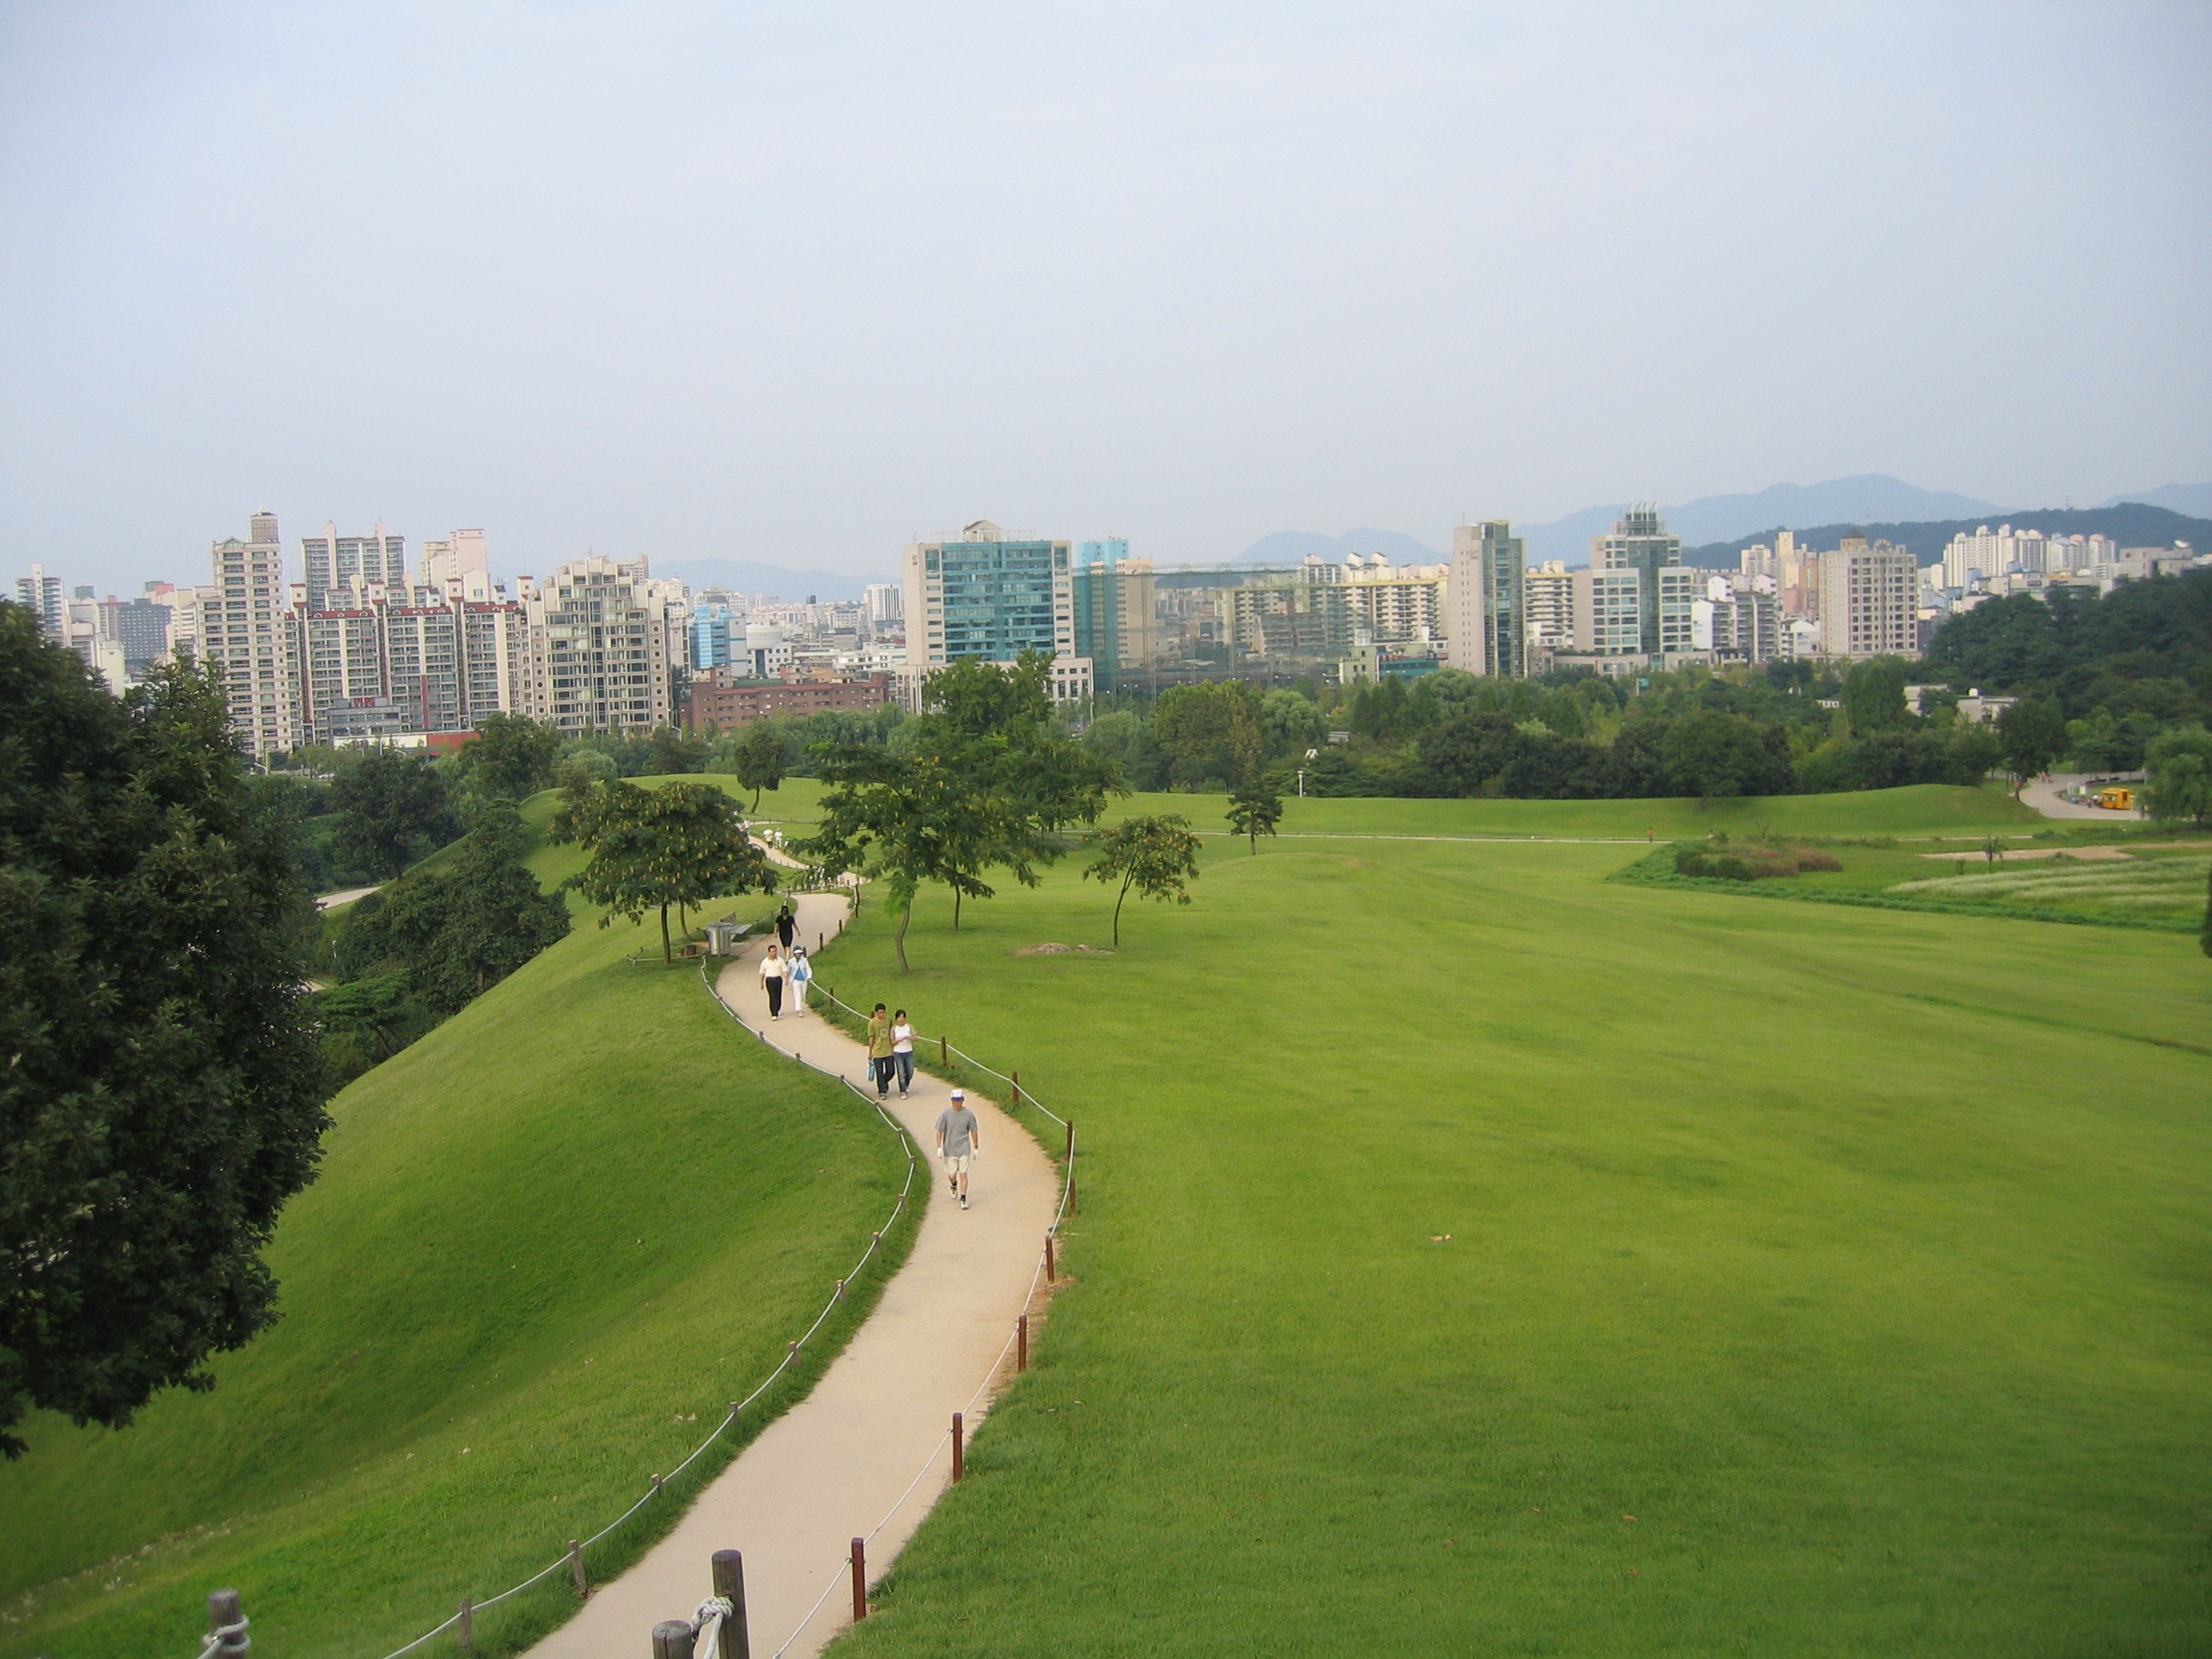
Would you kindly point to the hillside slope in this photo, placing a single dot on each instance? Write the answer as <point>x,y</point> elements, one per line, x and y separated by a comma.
<point>550,1242</point>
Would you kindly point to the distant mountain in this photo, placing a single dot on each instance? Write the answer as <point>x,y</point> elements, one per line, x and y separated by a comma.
<point>1287,547</point>
<point>2195,500</point>
<point>2130,524</point>
<point>1870,496</point>
<point>779,582</point>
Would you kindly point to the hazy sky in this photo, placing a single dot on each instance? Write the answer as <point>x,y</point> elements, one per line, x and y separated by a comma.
<point>789,283</point>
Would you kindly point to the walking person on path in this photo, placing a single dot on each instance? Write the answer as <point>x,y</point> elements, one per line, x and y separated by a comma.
<point>902,1051</point>
<point>800,973</point>
<point>772,971</point>
<point>787,928</point>
<point>879,1051</point>
<point>959,1137</point>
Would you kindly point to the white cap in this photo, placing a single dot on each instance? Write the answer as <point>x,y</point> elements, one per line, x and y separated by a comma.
<point>960,1094</point>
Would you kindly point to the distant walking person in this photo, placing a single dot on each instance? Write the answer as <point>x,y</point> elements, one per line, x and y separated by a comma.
<point>787,928</point>
<point>879,1051</point>
<point>902,1051</point>
<point>772,971</point>
<point>959,1137</point>
<point>801,974</point>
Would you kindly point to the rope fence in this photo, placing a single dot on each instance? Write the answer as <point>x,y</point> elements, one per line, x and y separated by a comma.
<point>718,1617</point>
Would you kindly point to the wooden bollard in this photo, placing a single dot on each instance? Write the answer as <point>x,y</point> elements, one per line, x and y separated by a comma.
<point>1071,1141</point>
<point>223,1615</point>
<point>576,1567</point>
<point>959,1449</point>
<point>468,1625</point>
<point>859,1579</point>
<point>1049,1265</point>
<point>821,941</point>
<point>1017,1080</point>
<point>945,1052</point>
<point>1022,1343</point>
<point>672,1639</point>
<point>732,1642</point>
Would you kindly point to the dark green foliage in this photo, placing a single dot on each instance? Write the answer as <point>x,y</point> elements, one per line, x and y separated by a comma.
<point>510,756</point>
<point>759,760</point>
<point>1720,860</point>
<point>366,1022</point>
<point>1874,696</point>
<point>1707,753</point>
<point>680,844</point>
<point>2032,734</point>
<point>673,753</point>
<point>1254,812</point>
<point>392,808</point>
<point>2180,775</point>
<point>1210,732</point>
<point>162,1095</point>
<point>2146,645</point>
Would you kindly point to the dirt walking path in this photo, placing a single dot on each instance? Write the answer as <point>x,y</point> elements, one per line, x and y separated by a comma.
<point>848,1455</point>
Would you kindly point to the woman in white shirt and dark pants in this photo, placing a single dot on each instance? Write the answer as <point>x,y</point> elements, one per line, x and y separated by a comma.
<point>902,1051</point>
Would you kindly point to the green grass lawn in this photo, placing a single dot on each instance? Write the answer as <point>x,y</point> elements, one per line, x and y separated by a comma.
<point>1480,1256</point>
<point>551,1242</point>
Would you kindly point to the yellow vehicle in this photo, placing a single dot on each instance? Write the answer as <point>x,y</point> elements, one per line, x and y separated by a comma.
<point>2121,800</point>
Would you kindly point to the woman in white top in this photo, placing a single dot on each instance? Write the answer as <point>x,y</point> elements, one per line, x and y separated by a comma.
<point>772,972</point>
<point>801,974</point>
<point>902,1051</point>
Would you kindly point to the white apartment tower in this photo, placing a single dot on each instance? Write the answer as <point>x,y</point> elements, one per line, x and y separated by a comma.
<point>334,563</point>
<point>600,634</point>
<point>243,622</point>
<point>1488,606</point>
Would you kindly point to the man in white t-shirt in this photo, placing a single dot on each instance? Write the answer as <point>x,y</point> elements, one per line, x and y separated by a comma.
<point>959,1137</point>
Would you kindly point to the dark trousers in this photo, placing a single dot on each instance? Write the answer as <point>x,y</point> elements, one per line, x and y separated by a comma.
<point>883,1066</point>
<point>775,995</point>
<point>905,1064</point>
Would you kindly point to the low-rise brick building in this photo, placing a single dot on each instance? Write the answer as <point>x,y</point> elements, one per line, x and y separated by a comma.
<point>726,702</point>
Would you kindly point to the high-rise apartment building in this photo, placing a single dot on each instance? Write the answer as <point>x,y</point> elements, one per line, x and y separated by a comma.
<point>1737,619</point>
<point>1869,600</point>
<point>41,595</point>
<point>460,559</point>
<point>141,626</point>
<point>1116,608</point>
<point>986,594</point>
<point>1638,542</point>
<point>600,638</point>
<point>334,563</point>
<point>1548,596</point>
<point>243,621</point>
<point>1487,601</point>
<point>881,604</point>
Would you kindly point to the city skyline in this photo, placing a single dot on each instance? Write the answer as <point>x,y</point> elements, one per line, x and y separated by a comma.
<point>662,281</point>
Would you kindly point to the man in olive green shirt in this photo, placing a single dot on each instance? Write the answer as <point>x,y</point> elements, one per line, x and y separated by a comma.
<point>879,1051</point>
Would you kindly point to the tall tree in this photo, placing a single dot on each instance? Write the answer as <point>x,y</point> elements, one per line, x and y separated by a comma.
<point>681,843</point>
<point>759,759</point>
<point>1212,732</point>
<point>510,756</point>
<point>161,1096</point>
<point>1155,854</point>
<point>2032,733</point>
<point>1253,811</point>
<point>392,808</point>
<point>2179,775</point>
<point>1874,696</point>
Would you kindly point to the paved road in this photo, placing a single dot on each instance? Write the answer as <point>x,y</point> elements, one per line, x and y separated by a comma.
<point>848,1457</point>
<point>2044,795</point>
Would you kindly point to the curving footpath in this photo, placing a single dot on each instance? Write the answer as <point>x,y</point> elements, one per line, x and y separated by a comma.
<point>866,1452</point>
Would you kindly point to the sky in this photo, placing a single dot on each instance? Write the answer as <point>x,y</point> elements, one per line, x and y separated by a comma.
<point>794,284</point>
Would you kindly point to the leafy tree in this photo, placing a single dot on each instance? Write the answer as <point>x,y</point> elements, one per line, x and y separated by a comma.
<point>1874,696</point>
<point>759,760</point>
<point>1712,754</point>
<point>457,934</point>
<point>2179,766</point>
<point>1292,723</point>
<point>161,1096</point>
<point>510,756</point>
<point>1253,811</point>
<point>674,752</point>
<point>1121,737</point>
<point>909,819</point>
<point>2032,734</point>
<point>364,1022</point>
<point>1211,732</point>
<point>392,808</point>
<point>1155,854</point>
<point>679,844</point>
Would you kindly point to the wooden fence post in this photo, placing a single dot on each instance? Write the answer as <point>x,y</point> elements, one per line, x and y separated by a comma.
<point>223,1615</point>
<point>959,1449</point>
<point>732,1641</point>
<point>672,1639</point>
<point>576,1568</point>
<point>1022,1343</point>
<point>945,1052</point>
<point>468,1622</point>
<point>1050,1264</point>
<point>859,1579</point>
<point>1017,1080</point>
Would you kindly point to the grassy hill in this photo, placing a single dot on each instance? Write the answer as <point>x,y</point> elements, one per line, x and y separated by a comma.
<point>1478,1255</point>
<point>550,1242</point>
